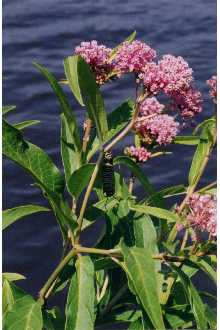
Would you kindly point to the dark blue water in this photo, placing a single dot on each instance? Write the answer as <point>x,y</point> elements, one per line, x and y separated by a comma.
<point>48,30</point>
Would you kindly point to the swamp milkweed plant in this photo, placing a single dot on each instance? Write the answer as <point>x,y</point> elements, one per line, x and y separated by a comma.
<point>141,270</point>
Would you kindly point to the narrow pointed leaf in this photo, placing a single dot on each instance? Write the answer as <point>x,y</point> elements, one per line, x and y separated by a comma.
<point>11,215</point>
<point>69,128</point>
<point>203,150</point>
<point>187,140</point>
<point>86,91</point>
<point>25,124</point>
<point>11,277</point>
<point>70,150</point>
<point>7,108</point>
<point>198,307</point>
<point>156,212</point>
<point>7,297</point>
<point>38,164</point>
<point>81,297</point>
<point>33,159</point>
<point>140,270</point>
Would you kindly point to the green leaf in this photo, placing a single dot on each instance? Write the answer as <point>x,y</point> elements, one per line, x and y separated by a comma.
<point>11,215</point>
<point>211,317</point>
<point>136,170</point>
<point>13,277</point>
<point>117,120</point>
<point>140,270</point>
<point>84,87</point>
<point>70,151</point>
<point>81,297</point>
<point>187,140</point>
<point>156,212</point>
<point>167,192</point>
<point>72,75</point>
<point>46,175</point>
<point>198,308</point>
<point>25,314</point>
<point>7,108</point>
<point>146,237</point>
<point>69,130</point>
<point>207,268</point>
<point>7,297</point>
<point>137,325</point>
<point>33,159</point>
<point>208,121</point>
<point>202,152</point>
<point>25,124</point>
<point>179,320</point>
<point>79,179</point>
<point>11,293</point>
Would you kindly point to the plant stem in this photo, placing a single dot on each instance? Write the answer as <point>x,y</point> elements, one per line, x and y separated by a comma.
<point>131,183</point>
<point>208,186</point>
<point>86,197</point>
<point>56,272</point>
<point>87,130</point>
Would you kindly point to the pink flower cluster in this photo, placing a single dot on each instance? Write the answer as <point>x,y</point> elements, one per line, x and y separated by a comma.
<point>212,82</point>
<point>97,57</point>
<point>162,128</point>
<point>171,74</point>
<point>203,213</point>
<point>132,57</point>
<point>150,106</point>
<point>188,102</point>
<point>139,154</point>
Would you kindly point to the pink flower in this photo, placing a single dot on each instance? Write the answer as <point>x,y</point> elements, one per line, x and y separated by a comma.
<point>212,82</point>
<point>203,213</point>
<point>152,78</point>
<point>96,56</point>
<point>171,74</point>
<point>162,128</point>
<point>189,102</point>
<point>139,154</point>
<point>132,57</point>
<point>177,75</point>
<point>150,106</point>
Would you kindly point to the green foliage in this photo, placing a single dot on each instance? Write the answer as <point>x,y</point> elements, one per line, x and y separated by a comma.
<point>83,86</point>
<point>136,271</point>
<point>8,108</point>
<point>81,297</point>
<point>11,215</point>
<point>26,123</point>
<point>140,269</point>
<point>25,314</point>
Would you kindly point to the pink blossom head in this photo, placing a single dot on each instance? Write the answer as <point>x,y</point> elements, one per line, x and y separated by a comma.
<point>97,57</point>
<point>161,128</point>
<point>132,57</point>
<point>189,102</point>
<point>202,213</point>
<point>150,106</point>
<point>176,74</point>
<point>212,82</point>
<point>171,74</point>
<point>138,154</point>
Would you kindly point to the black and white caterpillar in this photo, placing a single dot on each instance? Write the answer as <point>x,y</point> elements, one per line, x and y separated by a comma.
<point>108,178</point>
